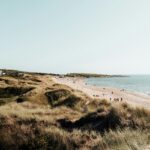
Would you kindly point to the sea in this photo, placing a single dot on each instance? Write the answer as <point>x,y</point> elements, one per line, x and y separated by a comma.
<point>133,83</point>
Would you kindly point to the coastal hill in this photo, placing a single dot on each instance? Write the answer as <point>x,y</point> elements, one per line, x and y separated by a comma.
<point>92,75</point>
<point>38,113</point>
<point>83,75</point>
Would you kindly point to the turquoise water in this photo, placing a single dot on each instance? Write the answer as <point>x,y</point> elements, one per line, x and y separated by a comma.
<point>136,83</point>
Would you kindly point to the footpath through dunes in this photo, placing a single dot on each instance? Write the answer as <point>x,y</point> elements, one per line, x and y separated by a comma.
<point>111,94</point>
<point>38,113</point>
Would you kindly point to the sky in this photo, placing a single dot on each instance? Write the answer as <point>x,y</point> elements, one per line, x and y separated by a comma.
<point>63,36</point>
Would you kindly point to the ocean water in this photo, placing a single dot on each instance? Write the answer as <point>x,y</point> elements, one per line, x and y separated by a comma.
<point>134,83</point>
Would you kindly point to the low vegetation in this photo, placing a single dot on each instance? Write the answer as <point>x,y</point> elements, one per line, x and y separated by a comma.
<point>53,116</point>
<point>85,75</point>
<point>91,75</point>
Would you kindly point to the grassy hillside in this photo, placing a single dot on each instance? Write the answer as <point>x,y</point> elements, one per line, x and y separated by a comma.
<point>89,75</point>
<point>84,75</point>
<point>36,113</point>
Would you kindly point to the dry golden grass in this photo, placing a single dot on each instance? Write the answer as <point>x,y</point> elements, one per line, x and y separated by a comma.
<point>36,126</point>
<point>54,116</point>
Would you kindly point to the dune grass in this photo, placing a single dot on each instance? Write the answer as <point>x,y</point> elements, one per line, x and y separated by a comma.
<point>29,125</point>
<point>57,117</point>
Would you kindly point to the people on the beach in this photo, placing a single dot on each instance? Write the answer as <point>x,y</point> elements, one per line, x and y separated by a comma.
<point>122,90</point>
<point>95,95</point>
<point>121,99</point>
<point>118,100</point>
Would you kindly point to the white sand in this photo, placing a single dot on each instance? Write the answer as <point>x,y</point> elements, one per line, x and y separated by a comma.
<point>105,93</point>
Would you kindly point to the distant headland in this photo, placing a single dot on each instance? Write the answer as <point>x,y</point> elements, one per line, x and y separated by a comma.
<point>92,75</point>
<point>83,75</point>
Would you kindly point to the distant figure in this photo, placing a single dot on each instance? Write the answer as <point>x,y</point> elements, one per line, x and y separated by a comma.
<point>122,89</point>
<point>110,99</point>
<point>112,92</point>
<point>121,99</point>
<point>116,99</point>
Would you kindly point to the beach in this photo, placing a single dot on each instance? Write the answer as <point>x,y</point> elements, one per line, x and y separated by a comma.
<point>111,94</point>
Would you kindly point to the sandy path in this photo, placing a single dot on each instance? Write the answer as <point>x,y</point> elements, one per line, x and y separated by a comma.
<point>105,93</point>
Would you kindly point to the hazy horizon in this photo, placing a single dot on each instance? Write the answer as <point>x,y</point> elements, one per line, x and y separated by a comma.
<point>107,37</point>
<point>74,72</point>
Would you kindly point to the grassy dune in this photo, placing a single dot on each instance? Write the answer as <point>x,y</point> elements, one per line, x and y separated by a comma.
<point>39,114</point>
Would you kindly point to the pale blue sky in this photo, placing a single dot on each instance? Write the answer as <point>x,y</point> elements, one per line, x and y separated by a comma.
<point>97,36</point>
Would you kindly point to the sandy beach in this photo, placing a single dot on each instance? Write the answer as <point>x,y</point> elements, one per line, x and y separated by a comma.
<point>112,94</point>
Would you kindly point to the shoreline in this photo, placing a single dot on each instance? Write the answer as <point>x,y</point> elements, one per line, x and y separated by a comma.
<point>109,93</point>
